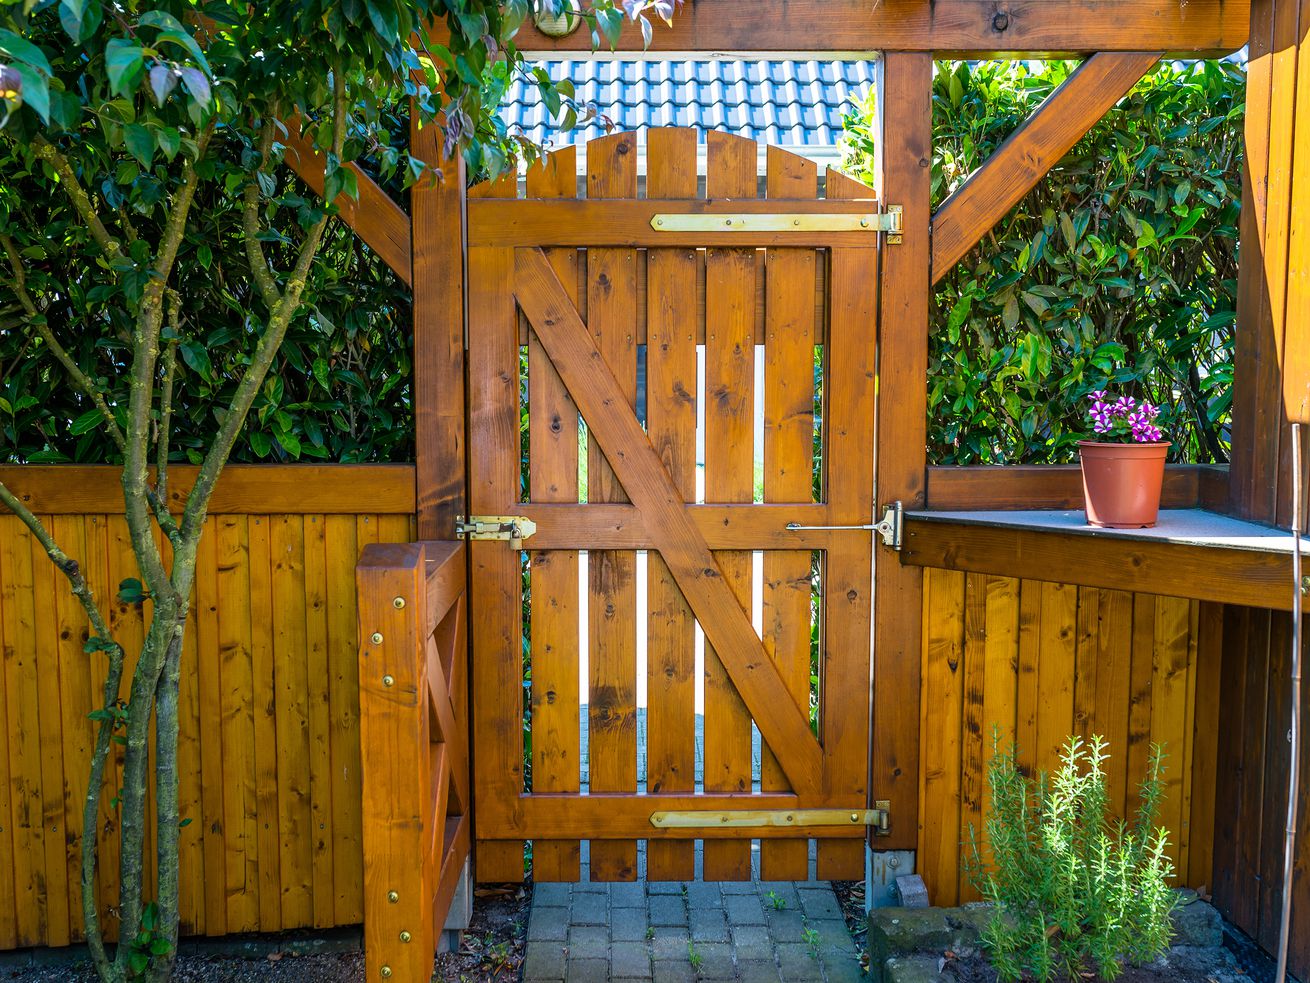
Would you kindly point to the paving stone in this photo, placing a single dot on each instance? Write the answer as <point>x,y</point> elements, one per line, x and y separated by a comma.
<point>701,894</point>
<point>666,887</point>
<point>709,926</point>
<point>668,910</point>
<point>628,895</point>
<point>590,950</point>
<point>674,972</point>
<point>787,925</point>
<point>588,935</point>
<point>629,924</point>
<point>747,936</point>
<point>630,959</point>
<point>843,968</point>
<point>833,934</point>
<point>715,961</point>
<point>552,895</point>
<point>590,909</point>
<point>1196,923</point>
<point>753,970</point>
<point>744,909</point>
<point>589,971</point>
<point>670,943</point>
<point>797,962</point>
<point>543,961</point>
<point>738,887</point>
<point>779,895</point>
<point>548,925</point>
<point>821,903</point>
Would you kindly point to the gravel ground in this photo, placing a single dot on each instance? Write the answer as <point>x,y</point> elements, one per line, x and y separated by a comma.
<point>492,951</point>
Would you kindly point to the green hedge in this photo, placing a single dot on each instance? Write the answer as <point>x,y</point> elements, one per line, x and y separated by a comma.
<point>1118,270</point>
<point>340,388</point>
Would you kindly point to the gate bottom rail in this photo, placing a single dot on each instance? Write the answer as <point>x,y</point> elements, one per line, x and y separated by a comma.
<point>414,751</point>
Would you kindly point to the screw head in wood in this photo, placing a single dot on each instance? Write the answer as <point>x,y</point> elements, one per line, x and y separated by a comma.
<point>388,680</point>
<point>393,896</point>
<point>386,972</point>
<point>405,936</point>
<point>398,603</point>
<point>376,638</point>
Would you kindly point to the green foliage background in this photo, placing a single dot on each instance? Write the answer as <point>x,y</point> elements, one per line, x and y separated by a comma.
<point>340,387</point>
<point>1119,269</point>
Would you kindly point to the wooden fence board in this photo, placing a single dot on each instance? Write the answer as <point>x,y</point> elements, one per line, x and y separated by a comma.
<point>671,397</point>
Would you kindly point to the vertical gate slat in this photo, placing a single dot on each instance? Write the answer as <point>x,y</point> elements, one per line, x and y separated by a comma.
<point>496,602</point>
<point>848,575</point>
<point>729,475</point>
<point>553,467</point>
<point>612,601</point>
<point>789,318</point>
<point>942,706</point>
<point>673,314</point>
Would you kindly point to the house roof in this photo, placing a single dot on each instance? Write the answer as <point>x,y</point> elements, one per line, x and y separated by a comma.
<point>791,103</point>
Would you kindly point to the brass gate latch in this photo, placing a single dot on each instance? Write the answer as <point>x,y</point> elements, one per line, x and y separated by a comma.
<point>889,527</point>
<point>513,529</point>
<point>878,818</point>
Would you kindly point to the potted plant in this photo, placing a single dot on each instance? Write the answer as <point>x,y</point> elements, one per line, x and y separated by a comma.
<point>1123,469</point>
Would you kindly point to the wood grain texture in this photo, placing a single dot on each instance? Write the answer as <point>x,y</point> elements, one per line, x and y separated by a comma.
<point>902,435</point>
<point>612,603</point>
<point>974,664</point>
<point>242,489</point>
<point>1200,572</point>
<point>258,687</point>
<point>437,233</point>
<point>553,477</point>
<point>950,28</point>
<point>729,476</point>
<point>673,315</point>
<point>1025,157</point>
<point>1047,486</point>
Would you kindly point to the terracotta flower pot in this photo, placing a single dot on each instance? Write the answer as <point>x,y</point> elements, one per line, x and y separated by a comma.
<point>1122,483</point>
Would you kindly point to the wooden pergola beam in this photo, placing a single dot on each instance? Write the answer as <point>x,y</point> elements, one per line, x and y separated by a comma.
<point>947,27</point>
<point>1031,151</point>
<point>374,217</point>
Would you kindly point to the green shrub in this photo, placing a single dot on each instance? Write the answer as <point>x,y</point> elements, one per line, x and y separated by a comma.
<point>1072,888</point>
<point>1117,271</point>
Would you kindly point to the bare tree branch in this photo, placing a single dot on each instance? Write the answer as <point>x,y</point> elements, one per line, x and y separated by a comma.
<point>80,199</point>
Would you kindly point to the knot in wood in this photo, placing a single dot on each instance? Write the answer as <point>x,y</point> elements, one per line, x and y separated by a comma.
<point>1001,21</point>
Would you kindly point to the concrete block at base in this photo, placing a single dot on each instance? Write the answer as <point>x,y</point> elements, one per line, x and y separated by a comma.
<point>461,911</point>
<point>1196,923</point>
<point>912,969</point>
<point>902,932</point>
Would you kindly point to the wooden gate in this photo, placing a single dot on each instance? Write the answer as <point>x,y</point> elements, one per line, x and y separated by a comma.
<point>662,321</point>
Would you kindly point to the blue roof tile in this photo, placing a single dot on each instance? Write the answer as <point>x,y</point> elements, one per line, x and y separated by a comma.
<point>784,101</point>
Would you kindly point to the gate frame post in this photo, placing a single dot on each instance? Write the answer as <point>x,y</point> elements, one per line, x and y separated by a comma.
<point>394,740</point>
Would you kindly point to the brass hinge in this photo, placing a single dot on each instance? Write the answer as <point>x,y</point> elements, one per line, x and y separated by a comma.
<point>510,528</point>
<point>888,527</point>
<point>879,817</point>
<point>890,222</point>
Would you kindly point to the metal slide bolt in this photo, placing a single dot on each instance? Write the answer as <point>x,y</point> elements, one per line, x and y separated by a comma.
<point>376,638</point>
<point>398,602</point>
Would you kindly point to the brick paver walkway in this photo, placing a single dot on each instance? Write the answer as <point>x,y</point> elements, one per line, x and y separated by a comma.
<point>674,931</point>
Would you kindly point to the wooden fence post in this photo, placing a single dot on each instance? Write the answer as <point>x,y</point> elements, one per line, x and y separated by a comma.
<point>394,743</point>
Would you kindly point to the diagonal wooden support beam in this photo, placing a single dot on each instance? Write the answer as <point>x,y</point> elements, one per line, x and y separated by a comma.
<point>375,217</point>
<point>1031,151</point>
<point>639,469</point>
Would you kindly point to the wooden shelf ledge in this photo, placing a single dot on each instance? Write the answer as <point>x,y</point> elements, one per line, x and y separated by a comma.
<point>1190,552</point>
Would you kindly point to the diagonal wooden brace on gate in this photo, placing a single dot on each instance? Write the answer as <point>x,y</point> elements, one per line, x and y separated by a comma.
<point>672,529</point>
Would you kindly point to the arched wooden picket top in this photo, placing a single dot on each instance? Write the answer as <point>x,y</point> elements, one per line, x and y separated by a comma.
<point>581,283</point>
